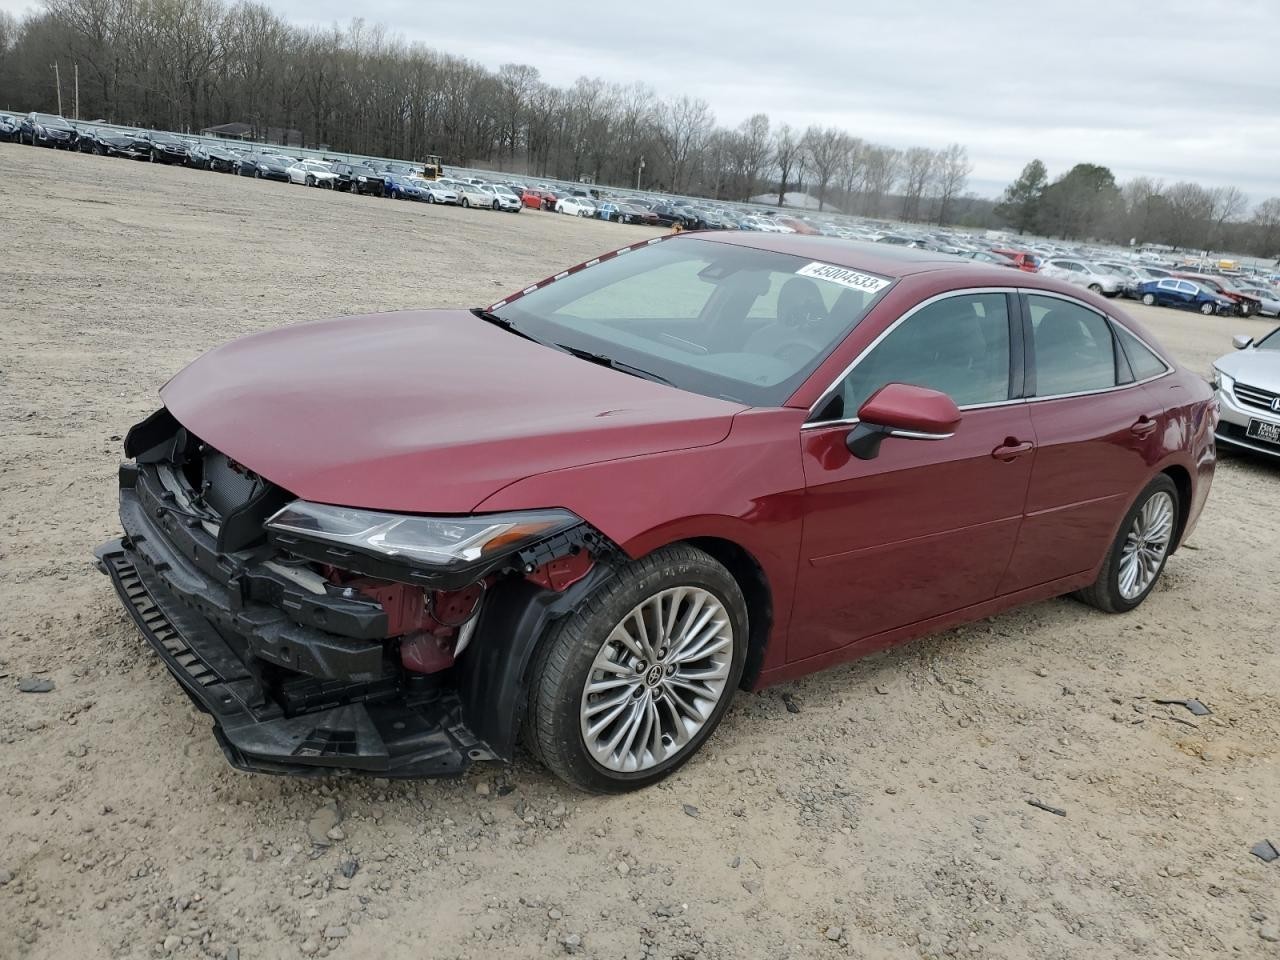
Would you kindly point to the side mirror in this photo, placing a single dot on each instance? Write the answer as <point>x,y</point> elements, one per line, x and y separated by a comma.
<point>1241,340</point>
<point>901,410</point>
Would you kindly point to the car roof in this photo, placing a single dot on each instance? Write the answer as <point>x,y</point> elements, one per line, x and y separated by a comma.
<point>886,260</point>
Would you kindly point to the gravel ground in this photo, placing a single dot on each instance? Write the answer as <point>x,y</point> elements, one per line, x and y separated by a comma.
<point>888,817</point>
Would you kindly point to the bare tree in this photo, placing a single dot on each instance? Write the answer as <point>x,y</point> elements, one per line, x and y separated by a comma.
<point>826,151</point>
<point>786,157</point>
<point>682,126</point>
<point>918,165</point>
<point>1229,203</point>
<point>951,173</point>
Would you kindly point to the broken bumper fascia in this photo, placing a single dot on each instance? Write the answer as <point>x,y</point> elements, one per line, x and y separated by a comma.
<point>388,725</point>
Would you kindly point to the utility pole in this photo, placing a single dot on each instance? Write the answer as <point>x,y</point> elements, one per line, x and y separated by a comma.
<point>57,80</point>
<point>638,169</point>
<point>77,90</point>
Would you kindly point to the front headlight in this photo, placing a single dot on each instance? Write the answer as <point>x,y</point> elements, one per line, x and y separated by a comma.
<point>1220,380</point>
<point>445,542</point>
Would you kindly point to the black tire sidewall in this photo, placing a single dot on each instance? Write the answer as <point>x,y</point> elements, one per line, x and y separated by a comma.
<point>555,698</point>
<point>1111,569</point>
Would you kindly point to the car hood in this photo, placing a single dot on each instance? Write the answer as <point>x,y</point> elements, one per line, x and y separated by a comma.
<point>425,411</point>
<point>1258,368</point>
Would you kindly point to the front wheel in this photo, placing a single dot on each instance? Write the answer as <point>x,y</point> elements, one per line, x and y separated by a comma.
<point>1208,309</point>
<point>465,203</point>
<point>1137,557</point>
<point>626,689</point>
<point>1149,299</point>
<point>430,198</point>
<point>495,204</point>
<point>311,181</point>
<point>1095,287</point>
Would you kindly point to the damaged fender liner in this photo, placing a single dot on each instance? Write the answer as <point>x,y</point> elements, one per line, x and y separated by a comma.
<point>418,734</point>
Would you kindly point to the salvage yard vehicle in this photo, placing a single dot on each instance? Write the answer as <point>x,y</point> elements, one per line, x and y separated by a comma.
<point>576,206</point>
<point>9,126</point>
<point>1247,384</point>
<point>211,156</point>
<point>1187,294</point>
<point>107,142</point>
<point>469,194</point>
<point>312,173</point>
<point>1084,274</point>
<point>437,191</point>
<point>1268,299</point>
<point>502,197</point>
<point>165,148</point>
<point>47,130</point>
<point>869,445</point>
<point>1243,304</point>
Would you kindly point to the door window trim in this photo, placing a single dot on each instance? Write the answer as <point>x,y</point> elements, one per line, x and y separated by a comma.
<point>1016,334</point>
<point>1029,341</point>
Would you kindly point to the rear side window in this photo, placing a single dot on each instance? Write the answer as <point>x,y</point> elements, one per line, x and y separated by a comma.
<point>1074,349</point>
<point>1142,359</point>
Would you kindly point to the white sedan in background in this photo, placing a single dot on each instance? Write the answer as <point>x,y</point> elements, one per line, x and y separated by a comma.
<point>469,194</point>
<point>501,198</point>
<point>576,206</point>
<point>313,173</point>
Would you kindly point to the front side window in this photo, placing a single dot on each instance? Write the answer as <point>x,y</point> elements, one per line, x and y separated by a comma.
<point>1073,346</point>
<point>714,318</point>
<point>958,345</point>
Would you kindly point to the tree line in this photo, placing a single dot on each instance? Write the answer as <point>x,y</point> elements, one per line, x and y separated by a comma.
<point>189,64</point>
<point>1086,202</point>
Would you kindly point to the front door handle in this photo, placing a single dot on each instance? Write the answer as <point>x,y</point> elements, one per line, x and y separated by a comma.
<point>1011,449</point>
<point>1144,426</point>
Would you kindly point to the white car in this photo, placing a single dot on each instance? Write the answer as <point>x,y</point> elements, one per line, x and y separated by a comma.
<point>1084,274</point>
<point>501,198</point>
<point>313,173</point>
<point>576,206</point>
<point>1268,300</point>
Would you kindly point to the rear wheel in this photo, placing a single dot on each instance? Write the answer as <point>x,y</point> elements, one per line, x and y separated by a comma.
<point>1149,299</point>
<point>627,688</point>
<point>1141,548</point>
<point>465,203</point>
<point>311,180</point>
<point>495,204</point>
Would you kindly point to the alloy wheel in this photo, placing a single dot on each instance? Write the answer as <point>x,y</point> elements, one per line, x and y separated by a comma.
<point>657,679</point>
<point>1146,546</point>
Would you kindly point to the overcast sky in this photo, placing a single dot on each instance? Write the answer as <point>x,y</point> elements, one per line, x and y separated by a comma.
<point>1183,89</point>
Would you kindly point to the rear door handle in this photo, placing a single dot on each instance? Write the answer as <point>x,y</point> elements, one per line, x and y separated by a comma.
<point>1011,449</point>
<point>1144,426</point>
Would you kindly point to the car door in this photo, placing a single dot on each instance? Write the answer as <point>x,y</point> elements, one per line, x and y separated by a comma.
<point>926,526</point>
<point>1094,427</point>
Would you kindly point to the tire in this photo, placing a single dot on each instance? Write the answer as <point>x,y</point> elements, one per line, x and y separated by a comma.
<point>1149,299</point>
<point>430,198</point>
<point>1096,287</point>
<point>257,174</point>
<point>1246,310</point>
<point>310,181</point>
<point>1107,592</point>
<point>465,203</point>
<point>495,204</point>
<point>1208,309</point>
<point>569,657</point>
<point>153,156</point>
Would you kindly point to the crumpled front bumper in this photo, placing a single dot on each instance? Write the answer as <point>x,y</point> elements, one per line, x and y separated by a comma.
<point>270,720</point>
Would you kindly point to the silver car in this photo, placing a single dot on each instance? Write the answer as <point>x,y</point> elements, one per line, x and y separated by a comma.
<point>1247,384</point>
<point>1083,273</point>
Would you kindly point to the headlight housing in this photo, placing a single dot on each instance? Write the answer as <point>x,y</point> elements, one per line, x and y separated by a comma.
<point>444,545</point>
<point>1219,380</point>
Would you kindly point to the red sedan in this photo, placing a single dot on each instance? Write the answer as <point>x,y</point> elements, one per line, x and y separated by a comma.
<point>589,513</point>
<point>533,198</point>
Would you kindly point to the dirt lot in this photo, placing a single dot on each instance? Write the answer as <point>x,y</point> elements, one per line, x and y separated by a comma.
<point>888,817</point>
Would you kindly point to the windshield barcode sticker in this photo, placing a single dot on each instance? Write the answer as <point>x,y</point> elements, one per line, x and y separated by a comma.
<point>843,276</point>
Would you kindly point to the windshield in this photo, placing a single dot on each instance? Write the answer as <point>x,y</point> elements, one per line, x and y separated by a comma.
<point>49,120</point>
<point>713,318</point>
<point>1271,341</point>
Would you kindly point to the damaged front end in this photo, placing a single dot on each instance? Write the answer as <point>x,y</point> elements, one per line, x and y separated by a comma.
<point>326,639</point>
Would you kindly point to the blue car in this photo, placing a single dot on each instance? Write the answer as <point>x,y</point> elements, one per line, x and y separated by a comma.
<point>1174,292</point>
<point>400,187</point>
